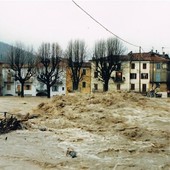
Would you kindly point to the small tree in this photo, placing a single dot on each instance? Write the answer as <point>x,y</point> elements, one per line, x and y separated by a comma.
<point>48,65</point>
<point>75,54</point>
<point>107,59</point>
<point>22,62</point>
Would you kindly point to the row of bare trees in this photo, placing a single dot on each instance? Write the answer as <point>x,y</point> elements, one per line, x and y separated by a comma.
<point>47,64</point>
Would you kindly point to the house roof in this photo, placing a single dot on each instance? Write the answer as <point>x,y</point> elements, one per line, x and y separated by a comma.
<point>149,56</point>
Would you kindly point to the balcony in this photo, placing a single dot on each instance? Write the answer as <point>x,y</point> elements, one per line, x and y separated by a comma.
<point>118,78</point>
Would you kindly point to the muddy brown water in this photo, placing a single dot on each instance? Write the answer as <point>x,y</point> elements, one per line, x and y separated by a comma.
<point>113,131</point>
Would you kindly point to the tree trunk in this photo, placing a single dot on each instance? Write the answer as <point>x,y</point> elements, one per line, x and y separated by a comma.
<point>75,85</point>
<point>22,89</point>
<point>106,85</point>
<point>48,91</point>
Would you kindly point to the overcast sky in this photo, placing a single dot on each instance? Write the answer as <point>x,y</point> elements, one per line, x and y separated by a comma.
<point>142,23</point>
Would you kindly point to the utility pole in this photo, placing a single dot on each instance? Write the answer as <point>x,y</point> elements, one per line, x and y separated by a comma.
<point>162,50</point>
<point>140,69</point>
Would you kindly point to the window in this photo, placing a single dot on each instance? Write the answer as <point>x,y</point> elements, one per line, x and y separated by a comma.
<point>158,66</point>
<point>144,65</point>
<point>84,84</point>
<point>132,65</point>
<point>8,87</point>
<point>132,75</point>
<point>27,87</point>
<point>144,76</point>
<point>55,88</point>
<point>158,77</point>
<point>118,76</point>
<point>132,87</point>
<point>95,74</point>
<point>84,71</point>
<point>95,86</point>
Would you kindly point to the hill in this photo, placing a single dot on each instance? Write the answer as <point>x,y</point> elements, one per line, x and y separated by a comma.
<point>4,48</point>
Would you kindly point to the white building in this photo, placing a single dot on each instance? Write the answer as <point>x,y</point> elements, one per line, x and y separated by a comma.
<point>140,72</point>
<point>32,87</point>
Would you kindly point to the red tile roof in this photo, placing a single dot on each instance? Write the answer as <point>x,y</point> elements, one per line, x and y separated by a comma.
<point>150,56</point>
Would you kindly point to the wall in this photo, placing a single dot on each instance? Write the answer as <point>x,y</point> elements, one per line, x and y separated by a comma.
<point>86,78</point>
<point>138,70</point>
<point>30,87</point>
<point>162,78</point>
<point>113,85</point>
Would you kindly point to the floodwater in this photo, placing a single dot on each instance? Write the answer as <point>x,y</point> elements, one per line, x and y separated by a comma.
<point>109,131</point>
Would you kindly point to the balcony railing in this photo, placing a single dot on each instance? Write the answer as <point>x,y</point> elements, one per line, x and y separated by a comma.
<point>118,79</point>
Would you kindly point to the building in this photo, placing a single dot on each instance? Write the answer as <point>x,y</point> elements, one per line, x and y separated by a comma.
<point>139,72</point>
<point>153,71</point>
<point>32,87</point>
<point>85,82</point>
<point>119,79</point>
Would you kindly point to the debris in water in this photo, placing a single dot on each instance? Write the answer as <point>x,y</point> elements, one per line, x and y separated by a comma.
<point>71,153</point>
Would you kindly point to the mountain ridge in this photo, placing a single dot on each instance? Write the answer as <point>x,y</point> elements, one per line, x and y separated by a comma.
<point>4,49</point>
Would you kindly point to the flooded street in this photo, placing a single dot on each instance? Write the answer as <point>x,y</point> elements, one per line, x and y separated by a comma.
<point>109,131</point>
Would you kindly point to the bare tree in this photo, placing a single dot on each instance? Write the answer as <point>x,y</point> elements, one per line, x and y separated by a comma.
<point>22,62</point>
<point>75,54</point>
<point>48,65</point>
<point>107,59</point>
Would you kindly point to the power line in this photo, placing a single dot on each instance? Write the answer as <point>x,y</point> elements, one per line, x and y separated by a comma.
<point>103,25</point>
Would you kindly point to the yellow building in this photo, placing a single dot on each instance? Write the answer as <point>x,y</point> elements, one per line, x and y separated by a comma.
<point>85,81</point>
